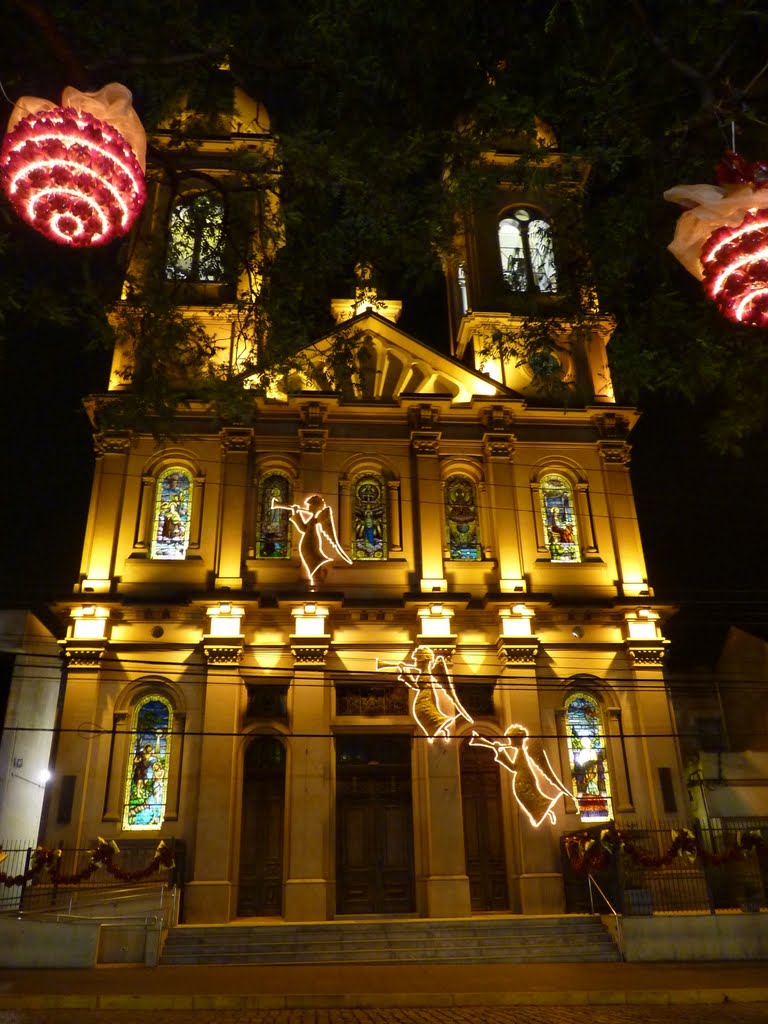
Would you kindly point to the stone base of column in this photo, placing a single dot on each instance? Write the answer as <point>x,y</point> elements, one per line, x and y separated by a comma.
<point>208,902</point>
<point>448,896</point>
<point>231,582</point>
<point>512,586</point>
<point>307,899</point>
<point>431,585</point>
<point>541,893</point>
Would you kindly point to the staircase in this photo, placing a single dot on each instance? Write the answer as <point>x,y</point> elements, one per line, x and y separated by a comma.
<point>513,940</point>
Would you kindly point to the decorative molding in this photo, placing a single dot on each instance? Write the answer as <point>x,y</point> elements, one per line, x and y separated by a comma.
<point>423,417</point>
<point>309,654</point>
<point>236,439</point>
<point>498,419</point>
<point>646,656</point>
<point>614,453</point>
<point>517,651</point>
<point>83,653</point>
<point>223,654</point>
<point>313,415</point>
<point>425,442</point>
<point>499,446</point>
<point>611,426</point>
<point>112,444</point>
<point>312,440</point>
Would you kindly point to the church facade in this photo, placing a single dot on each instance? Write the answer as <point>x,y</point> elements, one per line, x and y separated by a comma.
<point>377,650</point>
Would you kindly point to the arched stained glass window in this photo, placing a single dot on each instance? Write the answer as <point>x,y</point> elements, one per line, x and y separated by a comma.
<point>558,518</point>
<point>587,756</point>
<point>527,252</point>
<point>173,508</point>
<point>369,518</point>
<point>461,522</point>
<point>195,238</point>
<point>273,540</point>
<point>146,782</point>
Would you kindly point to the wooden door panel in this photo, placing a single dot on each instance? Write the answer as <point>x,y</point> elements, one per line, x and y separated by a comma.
<point>483,832</point>
<point>260,888</point>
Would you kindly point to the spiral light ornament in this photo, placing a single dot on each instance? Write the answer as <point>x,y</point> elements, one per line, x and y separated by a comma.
<point>735,264</point>
<point>72,175</point>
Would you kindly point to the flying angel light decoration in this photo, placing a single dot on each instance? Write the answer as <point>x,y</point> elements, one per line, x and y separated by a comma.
<point>75,172</point>
<point>722,237</point>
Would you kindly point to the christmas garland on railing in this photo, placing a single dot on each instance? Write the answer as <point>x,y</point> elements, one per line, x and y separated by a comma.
<point>587,852</point>
<point>46,859</point>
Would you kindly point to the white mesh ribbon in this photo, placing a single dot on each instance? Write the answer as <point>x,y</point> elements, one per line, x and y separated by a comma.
<point>113,104</point>
<point>709,207</point>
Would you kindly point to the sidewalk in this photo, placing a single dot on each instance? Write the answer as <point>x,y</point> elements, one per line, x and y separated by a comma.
<point>391,985</point>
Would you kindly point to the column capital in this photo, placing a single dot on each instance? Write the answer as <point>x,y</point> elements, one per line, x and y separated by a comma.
<point>614,453</point>
<point>497,445</point>
<point>235,439</point>
<point>112,443</point>
<point>426,442</point>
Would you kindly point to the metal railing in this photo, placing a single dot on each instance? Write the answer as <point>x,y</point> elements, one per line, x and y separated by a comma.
<point>44,891</point>
<point>719,880</point>
<point>616,918</point>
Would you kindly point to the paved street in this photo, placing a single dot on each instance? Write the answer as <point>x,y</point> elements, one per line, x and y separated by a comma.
<point>729,1013</point>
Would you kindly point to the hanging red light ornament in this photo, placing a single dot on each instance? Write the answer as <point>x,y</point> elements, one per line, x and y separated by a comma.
<point>75,173</point>
<point>722,237</point>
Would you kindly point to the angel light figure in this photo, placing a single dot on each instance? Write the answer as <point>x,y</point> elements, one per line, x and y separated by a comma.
<point>436,705</point>
<point>534,783</point>
<point>318,543</point>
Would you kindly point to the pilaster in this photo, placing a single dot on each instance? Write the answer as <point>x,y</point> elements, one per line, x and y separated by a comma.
<point>112,451</point>
<point>235,451</point>
<point>425,445</point>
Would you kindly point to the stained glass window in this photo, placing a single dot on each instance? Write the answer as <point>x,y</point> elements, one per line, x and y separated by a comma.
<point>195,249</point>
<point>461,519</point>
<point>173,507</point>
<point>558,518</point>
<point>273,540</point>
<point>587,755</point>
<point>369,518</point>
<point>146,783</point>
<point>527,252</point>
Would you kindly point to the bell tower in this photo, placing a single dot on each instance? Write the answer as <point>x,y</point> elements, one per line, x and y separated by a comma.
<point>515,313</point>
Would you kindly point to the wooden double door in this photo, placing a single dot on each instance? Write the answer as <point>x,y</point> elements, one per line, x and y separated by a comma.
<point>374,825</point>
<point>484,844</point>
<point>260,891</point>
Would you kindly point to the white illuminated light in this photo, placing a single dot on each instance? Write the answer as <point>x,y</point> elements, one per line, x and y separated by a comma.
<point>225,619</point>
<point>535,784</point>
<point>318,543</point>
<point>435,705</point>
<point>733,261</point>
<point>89,622</point>
<point>71,175</point>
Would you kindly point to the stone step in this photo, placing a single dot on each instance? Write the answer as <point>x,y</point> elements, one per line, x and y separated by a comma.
<point>508,940</point>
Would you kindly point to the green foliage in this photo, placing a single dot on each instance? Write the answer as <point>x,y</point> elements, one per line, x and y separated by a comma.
<point>371,104</point>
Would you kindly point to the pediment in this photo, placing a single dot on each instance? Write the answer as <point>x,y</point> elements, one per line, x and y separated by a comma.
<point>386,363</point>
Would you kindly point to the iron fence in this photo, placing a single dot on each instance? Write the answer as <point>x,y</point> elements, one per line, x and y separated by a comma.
<point>739,882</point>
<point>44,890</point>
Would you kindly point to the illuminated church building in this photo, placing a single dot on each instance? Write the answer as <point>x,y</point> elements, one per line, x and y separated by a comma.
<point>376,652</point>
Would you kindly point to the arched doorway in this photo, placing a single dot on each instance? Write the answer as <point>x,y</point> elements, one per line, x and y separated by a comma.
<point>260,891</point>
<point>483,830</point>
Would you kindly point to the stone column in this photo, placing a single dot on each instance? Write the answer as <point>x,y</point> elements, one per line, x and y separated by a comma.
<point>536,852</point>
<point>210,896</point>
<point>235,449</point>
<point>498,449</point>
<point>430,527</point>
<point>106,511</point>
<point>309,786</point>
<point>628,549</point>
<point>446,881</point>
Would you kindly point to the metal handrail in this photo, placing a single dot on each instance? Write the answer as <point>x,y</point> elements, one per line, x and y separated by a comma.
<point>109,896</point>
<point>617,916</point>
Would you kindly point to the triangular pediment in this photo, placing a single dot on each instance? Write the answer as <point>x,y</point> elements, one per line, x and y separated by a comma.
<point>387,363</point>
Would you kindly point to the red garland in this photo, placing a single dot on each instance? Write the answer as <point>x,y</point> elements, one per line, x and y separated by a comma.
<point>44,859</point>
<point>72,177</point>
<point>586,853</point>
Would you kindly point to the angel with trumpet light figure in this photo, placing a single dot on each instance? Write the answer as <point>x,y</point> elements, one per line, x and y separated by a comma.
<point>435,705</point>
<point>318,543</point>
